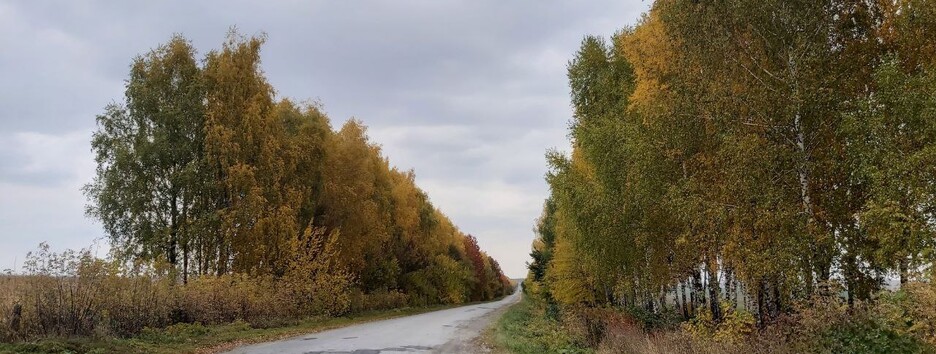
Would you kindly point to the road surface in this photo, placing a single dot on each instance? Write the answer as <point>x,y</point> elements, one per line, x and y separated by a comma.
<point>443,331</point>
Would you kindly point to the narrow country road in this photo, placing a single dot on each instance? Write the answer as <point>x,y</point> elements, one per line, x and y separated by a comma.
<point>444,331</point>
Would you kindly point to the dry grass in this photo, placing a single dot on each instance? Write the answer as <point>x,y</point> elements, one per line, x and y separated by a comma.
<point>71,294</point>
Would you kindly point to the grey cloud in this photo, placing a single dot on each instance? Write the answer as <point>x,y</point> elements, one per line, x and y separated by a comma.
<point>45,160</point>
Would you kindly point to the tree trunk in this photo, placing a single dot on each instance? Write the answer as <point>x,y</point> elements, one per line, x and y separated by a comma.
<point>685,300</point>
<point>185,242</point>
<point>731,293</point>
<point>222,256</point>
<point>903,267</point>
<point>678,301</point>
<point>634,298</point>
<point>713,291</point>
<point>761,304</point>
<point>173,242</point>
<point>850,291</point>
<point>698,294</point>
<point>808,278</point>
<point>663,299</point>
<point>803,173</point>
<point>185,262</point>
<point>777,306</point>
<point>824,274</point>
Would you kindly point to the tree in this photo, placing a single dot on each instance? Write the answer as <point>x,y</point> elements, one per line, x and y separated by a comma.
<point>204,170</point>
<point>891,139</point>
<point>150,157</point>
<point>473,252</point>
<point>769,149</point>
<point>354,190</point>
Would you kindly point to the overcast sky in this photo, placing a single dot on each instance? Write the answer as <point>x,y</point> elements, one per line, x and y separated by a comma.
<point>470,94</point>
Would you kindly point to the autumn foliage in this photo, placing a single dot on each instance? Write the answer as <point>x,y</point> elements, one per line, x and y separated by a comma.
<point>222,202</point>
<point>734,161</point>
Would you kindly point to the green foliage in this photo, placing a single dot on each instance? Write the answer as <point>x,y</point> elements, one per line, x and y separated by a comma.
<point>866,337</point>
<point>525,329</point>
<point>150,155</point>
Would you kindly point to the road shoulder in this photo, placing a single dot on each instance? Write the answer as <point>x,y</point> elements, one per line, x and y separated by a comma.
<point>470,338</point>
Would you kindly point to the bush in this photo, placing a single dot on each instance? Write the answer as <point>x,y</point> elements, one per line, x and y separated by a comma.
<point>393,299</point>
<point>910,311</point>
<point>654,320</point>
<point>864,336</point>
<point>889,325</point>
<point>735,326</point>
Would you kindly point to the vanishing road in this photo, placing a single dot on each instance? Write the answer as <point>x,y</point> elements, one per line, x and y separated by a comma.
<point>444,331</point>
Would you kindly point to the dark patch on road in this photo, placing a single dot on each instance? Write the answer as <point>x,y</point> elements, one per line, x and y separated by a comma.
<point>418,347</point>
<point>405,348</point>
<point>309,338</point>
<point>349,338</point>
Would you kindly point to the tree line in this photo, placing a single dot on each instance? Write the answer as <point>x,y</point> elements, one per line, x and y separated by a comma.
<point>203,170</point>
<point>749,153</point>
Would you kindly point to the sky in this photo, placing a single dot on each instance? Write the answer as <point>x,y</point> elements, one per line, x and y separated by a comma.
<point>470,94</point>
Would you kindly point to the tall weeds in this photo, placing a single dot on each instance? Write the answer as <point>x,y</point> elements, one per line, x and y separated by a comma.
<point>72,294</point>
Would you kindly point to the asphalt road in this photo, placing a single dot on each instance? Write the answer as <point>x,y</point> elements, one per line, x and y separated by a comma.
<point>443,331</point>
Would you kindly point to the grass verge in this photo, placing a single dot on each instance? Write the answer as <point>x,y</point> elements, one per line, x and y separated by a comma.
<point>525,328</point>
<point>195,338</point>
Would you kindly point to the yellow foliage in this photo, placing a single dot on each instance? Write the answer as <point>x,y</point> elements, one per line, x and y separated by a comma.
<point>317,281</point>
<point>568,277</point>
<point>736,325</point>
<point>652,52</point>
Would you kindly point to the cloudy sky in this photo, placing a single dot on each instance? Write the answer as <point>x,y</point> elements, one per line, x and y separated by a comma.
<point>468,93</point>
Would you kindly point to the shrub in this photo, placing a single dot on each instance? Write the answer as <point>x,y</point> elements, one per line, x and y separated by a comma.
<point>361,302</point>
<point>735,326</point>
<point>910,311</point>
<point>654,320</point>
<point>897,322</point>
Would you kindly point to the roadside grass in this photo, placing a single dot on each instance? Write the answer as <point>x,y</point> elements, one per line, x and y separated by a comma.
<point>525,328</point>
<point>196,338</point>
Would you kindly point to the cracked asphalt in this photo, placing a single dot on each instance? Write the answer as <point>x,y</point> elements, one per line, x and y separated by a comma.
<point>443,331</point>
